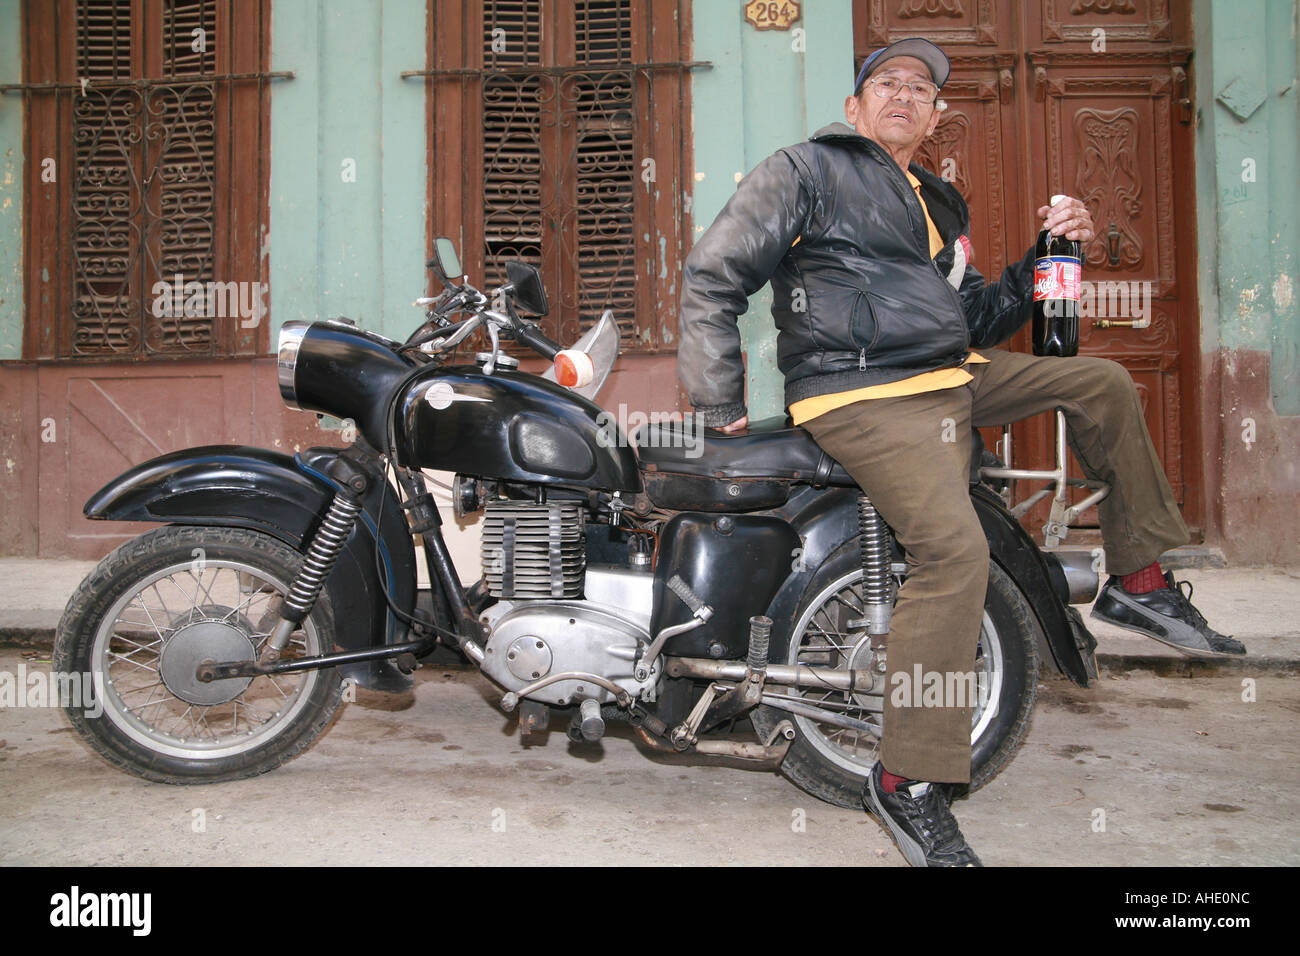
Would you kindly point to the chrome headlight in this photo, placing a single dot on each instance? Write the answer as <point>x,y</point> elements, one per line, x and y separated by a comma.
<point>286,360</point>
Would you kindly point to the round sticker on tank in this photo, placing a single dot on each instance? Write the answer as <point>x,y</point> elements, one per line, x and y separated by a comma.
<point>440,395</point>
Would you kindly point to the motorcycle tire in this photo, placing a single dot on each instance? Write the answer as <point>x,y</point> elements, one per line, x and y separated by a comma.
<point>140,623</point>
<point>832,764</point>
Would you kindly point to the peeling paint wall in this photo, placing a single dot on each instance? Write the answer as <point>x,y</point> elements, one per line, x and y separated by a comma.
<point>348,171</point>
<point>767,89</point>
<point>349,177</point>
<point>1248,208</point>
<point>11,184</point>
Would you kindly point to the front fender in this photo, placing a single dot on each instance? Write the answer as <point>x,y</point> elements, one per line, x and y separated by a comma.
<point>825,520</point>
<point>267,491</point>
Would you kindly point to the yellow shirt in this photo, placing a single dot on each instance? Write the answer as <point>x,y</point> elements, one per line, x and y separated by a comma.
<point>808,408</point>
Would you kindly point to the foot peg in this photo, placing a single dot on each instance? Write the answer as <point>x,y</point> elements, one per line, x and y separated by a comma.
<point>590,723</point>
<point>587,724</point>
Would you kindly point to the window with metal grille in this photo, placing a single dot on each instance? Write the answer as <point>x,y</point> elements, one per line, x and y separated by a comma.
<point>145,219</point>
<point>558,138</point>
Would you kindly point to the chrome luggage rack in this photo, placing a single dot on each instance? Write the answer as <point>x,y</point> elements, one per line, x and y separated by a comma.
<point>1063,514</point>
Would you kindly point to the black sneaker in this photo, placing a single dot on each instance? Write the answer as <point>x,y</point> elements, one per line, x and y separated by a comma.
<point>1165,615</point>
<point>917,817</point>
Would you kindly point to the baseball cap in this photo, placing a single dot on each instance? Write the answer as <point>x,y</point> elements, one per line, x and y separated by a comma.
<point>923,50</point>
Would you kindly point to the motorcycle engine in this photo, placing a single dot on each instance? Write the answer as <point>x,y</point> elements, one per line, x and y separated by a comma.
<point>556,614</point>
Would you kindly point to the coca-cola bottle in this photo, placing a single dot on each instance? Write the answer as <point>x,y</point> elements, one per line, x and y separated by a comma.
<point>1057,273</point>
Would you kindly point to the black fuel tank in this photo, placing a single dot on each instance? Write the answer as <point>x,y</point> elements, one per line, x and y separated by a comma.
<point>511,425</point>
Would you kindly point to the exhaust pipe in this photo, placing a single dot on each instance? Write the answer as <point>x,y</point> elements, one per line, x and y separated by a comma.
<point>1074,574</point>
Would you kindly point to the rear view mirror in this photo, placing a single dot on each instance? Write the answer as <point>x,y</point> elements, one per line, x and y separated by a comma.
<point>445,262</point>
<point>527,287</point>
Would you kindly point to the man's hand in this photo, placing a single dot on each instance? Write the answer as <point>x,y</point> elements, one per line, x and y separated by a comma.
<point>1069,216</point>
<point>737,425</point>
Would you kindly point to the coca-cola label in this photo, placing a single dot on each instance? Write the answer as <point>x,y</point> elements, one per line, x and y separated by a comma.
<point>1056,277</point>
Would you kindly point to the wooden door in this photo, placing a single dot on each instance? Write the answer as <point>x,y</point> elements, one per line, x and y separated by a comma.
<point>1090,98</point>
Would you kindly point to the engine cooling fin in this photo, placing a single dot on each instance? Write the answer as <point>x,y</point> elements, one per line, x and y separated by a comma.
<point>534,551</point>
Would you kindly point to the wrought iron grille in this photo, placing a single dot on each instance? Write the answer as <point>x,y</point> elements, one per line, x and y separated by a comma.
<point>559,149</point>
<point>566,180</point>
<point>145,128</point>
<point>142,199</point>
<point>582,187</point>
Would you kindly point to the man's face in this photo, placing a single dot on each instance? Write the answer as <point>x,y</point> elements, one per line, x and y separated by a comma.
<point>899,123</point>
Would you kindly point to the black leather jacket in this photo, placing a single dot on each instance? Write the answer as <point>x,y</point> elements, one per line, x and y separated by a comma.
<point>858,300</point>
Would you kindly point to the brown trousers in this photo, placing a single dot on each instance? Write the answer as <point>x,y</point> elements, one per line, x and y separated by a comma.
<point>911,455</point>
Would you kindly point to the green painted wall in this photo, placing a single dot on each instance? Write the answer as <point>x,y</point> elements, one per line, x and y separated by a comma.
<point>348,163</point>
<point>1248,184</point>
<point>763,94</point>
<point>11,184</point>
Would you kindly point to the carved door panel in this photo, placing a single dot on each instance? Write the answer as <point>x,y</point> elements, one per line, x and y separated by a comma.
<point>1090,98</point>
<point>978,145</point>
<point>968,147</point>
<point>1110,141</point>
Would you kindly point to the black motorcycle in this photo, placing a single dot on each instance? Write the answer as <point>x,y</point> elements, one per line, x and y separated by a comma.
<point>678,581</point>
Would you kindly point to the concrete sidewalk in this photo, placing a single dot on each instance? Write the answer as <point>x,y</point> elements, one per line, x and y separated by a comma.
<point>1258,606</point>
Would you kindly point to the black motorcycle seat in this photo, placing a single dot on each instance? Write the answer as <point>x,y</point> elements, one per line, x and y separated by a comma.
<point>766,449</point>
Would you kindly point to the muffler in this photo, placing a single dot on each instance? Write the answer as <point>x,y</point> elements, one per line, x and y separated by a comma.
<point>1074,573</point>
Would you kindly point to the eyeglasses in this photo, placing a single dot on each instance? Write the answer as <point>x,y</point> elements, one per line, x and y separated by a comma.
<point>887,87</point>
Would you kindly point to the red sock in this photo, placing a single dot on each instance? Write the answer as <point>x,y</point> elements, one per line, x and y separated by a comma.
<point>1150,578</point>
<point>890,781</point>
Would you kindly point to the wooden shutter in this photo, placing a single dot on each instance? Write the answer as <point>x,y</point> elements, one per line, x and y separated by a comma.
<point>106,302</point>
<point>137,104</point>
<point>558,140</point>
<point>143,195</point>
<point>606,164</point>
<point>512,141</point>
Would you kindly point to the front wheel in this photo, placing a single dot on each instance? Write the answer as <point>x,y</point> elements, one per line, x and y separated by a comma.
<point>150,613</point>
<point>831,762</point>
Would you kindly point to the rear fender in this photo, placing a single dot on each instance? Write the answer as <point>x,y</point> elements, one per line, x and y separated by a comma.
<point>262,490</point>
<point>1068,639</point>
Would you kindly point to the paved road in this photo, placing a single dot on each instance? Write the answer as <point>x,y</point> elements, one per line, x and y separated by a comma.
<point>1180,770</point>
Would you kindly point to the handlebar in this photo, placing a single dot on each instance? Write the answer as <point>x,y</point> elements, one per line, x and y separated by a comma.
<point>466,298</point>
<point>538,341</point>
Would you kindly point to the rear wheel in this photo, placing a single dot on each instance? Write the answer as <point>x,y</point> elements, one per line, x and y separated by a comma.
<point>831,762</point>
<point>144,619</point>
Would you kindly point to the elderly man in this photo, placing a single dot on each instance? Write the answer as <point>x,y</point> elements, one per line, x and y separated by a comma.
<point>877,307</point>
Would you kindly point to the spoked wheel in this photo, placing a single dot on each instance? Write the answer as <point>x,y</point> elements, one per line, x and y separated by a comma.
<point>150,613</point>
<point>832,762</point>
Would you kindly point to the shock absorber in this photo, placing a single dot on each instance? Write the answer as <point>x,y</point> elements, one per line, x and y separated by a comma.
<point>760,634</point>
<point>316,566</point>
<point>875,567</point>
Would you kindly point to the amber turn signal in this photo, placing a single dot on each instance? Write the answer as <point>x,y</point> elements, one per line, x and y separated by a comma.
<point>574,369</point>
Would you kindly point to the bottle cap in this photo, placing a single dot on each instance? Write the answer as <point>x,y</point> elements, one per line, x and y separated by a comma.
<point>1057,198</point>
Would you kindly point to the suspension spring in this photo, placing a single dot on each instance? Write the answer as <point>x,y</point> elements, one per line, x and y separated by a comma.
<point>875,566</point>
<point>325,547</point>
<point>760,633</point>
